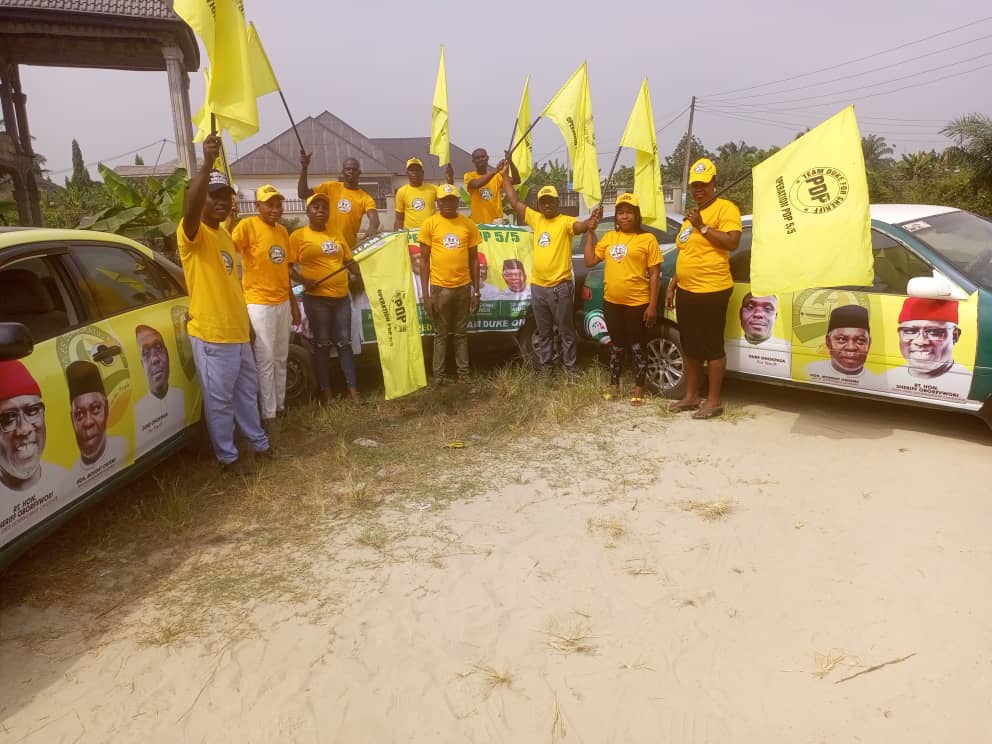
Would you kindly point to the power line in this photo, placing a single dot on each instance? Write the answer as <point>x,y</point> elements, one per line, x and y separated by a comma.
<point>901,63</point>
<point>674,119</point>
<point>115,157</point>
<point>852,61</point>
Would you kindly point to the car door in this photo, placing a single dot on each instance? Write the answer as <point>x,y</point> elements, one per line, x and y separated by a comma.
<point>137,308</point>
<point>758,331</point>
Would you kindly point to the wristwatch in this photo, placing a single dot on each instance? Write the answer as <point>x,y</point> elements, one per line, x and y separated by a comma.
<point>704,229</point>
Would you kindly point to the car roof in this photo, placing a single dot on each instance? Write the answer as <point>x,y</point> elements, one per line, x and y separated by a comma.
<point>895,214</point>
<point>20,236</point>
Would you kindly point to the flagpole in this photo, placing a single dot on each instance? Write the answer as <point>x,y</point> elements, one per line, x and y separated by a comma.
<point>290,115</point>
<point>726,188</point>
<point>613,167</point>
<point>524,135</point>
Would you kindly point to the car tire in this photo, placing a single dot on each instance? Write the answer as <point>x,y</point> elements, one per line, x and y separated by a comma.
<point>666,363</point>
<point>301,379</point>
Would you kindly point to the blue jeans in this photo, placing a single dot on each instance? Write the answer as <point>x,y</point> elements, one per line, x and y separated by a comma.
<point>229,382</point>
<point>330,324</point>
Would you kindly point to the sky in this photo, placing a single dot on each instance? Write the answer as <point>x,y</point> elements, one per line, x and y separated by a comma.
<point>748,64</point>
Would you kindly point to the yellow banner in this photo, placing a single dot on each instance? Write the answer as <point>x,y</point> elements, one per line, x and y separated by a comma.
<point>523,156</point>
<point>440,139</point>
<point>571,110</point>
<point>392,298</point>
<point>640,136</point>
<point>812,226</point>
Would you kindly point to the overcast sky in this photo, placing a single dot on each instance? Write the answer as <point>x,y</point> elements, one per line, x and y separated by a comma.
<point>374,64</point>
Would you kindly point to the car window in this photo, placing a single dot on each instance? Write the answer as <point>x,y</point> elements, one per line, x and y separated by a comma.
<point>895,264</point>
<point>117,278</point>
<point>740,259</point>
<point>32,293</point>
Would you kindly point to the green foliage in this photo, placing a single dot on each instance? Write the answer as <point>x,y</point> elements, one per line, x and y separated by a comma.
<point>552,172</point>
<point>144,211</point>
<point>671,170</point>
<point>66,207</point>
<point>80,176</point>
<point>974,149</point>
<point>138,160</point>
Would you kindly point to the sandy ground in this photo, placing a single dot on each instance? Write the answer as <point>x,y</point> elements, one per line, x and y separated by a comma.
<point>580,601</point>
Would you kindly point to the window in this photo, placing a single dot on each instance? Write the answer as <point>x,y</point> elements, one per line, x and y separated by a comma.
<point>895,265</point>
<point>31,293</point>
<point>116,279</point>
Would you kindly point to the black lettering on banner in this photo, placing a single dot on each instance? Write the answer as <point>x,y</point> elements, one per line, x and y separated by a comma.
<point>384,306</point>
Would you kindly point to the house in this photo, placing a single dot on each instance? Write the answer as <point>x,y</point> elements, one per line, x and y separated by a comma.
<point>331,141</point>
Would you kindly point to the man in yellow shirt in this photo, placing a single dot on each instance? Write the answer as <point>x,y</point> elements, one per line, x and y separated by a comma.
<point>316,252</point>
<point>348,202</point>
<point>272,306</point>
<point>416,201</point>
<point>449,279</point>
<point>552,283</point>
<point>219,327</point>
<point>483,186</point>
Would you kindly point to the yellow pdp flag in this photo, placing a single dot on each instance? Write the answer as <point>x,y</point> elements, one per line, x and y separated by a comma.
<point>812,225</point>
<point>440,143</point>
<point>523,156</point>
<point>571,110</point>
<point>263,77</point>
<point>388,279</point>
<point>640,136</point>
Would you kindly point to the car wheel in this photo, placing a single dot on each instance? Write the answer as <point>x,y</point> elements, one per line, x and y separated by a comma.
<point>666,363</point>
<point>301,380</point>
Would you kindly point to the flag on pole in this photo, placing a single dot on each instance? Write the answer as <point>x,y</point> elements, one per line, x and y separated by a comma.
<point>640,136</point>
<point>263,77</point>
<point>571,110</point>
<point>812,225</point>
<point>440,144</point>
<point>523,156</point>
<point>230,97</point>
<point>388,279</point>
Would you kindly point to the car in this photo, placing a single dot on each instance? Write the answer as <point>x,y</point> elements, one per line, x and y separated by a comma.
<point>920,334</point>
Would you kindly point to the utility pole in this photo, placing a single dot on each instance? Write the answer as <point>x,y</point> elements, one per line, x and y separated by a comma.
<point>688,154</point>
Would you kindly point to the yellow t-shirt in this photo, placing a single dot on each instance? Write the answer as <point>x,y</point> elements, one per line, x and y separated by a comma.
<point>552,248</point>
<point>449,241</point>
<point>318,254</point>
<point>416,204</point>
<point>487,202</point>
<point>701,266</point>
<point>626,258</point>
<point>348,206</point>
<point>263,253</point>
<point>217,311</point>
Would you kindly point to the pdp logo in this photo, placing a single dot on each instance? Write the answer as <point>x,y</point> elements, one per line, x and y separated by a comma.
<point>418,205</point>
<point>277,254</point>
<point>684,235</point>
<point>228,261</point>
<point>698,168</point>
<point>819,190</point>
<point>487,194</point>
<point>617,252</point>
<point>451,241</point>
<point>344,206</point>
<point>329,248</point>
<point>544,240</point>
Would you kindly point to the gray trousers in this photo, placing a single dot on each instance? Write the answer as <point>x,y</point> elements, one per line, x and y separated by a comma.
<point>554,307</point>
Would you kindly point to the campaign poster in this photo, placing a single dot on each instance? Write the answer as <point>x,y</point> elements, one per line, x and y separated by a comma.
<point>758,333</point>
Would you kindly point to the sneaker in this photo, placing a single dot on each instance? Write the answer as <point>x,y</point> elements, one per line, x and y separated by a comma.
<point>238,467</point>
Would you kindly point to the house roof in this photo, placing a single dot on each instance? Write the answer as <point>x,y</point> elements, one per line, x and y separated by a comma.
<point>331,141</point>
<point>130,8</point>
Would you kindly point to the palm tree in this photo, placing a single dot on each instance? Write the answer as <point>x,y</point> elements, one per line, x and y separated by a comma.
<point>878,152</point>
<point>973,133</point>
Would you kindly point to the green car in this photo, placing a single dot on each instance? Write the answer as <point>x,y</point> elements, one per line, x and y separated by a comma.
<point>920,334</point>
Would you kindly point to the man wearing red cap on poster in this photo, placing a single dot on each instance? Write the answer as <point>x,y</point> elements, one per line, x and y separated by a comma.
<point>487,291</point>
<point>928,330</point>
<point>26,482</point>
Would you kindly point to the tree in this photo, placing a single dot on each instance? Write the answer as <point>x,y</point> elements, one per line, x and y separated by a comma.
<point>147,212</point>
<point>671,171</point>
<point>80,176</point>
<point>138,160</point>
<point>877,152</point>
<point>973,133</point>
<point>623,179</point>
<point>551,172</point>
<point>734,160</point>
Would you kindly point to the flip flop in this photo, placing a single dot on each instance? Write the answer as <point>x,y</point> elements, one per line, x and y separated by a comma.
<point>708,413</point>
<point>636,400</point>
<point>680,407</point>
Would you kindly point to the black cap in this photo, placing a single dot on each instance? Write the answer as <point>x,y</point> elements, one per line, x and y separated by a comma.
<point>848,316</point>
<point>83,377</point>
<point>218,181</point>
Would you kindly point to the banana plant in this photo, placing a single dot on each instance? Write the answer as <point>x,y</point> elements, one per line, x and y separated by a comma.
<point>151,210</point>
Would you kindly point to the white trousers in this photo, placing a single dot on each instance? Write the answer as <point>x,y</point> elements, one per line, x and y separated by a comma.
<point>271,324</point>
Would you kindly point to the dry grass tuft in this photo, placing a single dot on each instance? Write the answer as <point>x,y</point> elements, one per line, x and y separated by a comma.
<point>575,638</point>
<point>558,732</point>
<point>638,567</point>
<point>826,663</point>
<point>490,676</point>
<point>612,527</point>
<point>709,510</point>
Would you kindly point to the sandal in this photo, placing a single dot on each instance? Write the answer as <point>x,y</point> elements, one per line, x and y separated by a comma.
<point>682,407</point>
<point>636,400</point>
<point>708,413</point>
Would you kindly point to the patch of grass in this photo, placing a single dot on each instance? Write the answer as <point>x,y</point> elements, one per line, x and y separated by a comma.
<point>735,414</point>
<point>573,638</point>
<point>614,528</point>
<point>709,510</point>
<point>490,676</point>
<point>374,536</point>
<point>826,663</point>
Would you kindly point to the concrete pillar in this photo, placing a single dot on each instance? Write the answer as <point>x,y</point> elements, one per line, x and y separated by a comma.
<point>182,118</point>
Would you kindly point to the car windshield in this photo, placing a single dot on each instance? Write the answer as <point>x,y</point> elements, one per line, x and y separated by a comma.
<point>964,239</point>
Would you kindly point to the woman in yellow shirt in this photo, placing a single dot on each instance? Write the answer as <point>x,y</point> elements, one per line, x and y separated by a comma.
<point>630,281</point>
<point>701,288</point>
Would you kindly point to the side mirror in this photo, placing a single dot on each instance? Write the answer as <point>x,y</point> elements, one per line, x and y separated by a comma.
<point>929,288</point>
<point>15,341</point>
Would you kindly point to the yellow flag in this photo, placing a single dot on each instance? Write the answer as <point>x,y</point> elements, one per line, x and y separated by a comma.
<point>388,279</point>
<point>523,156</point>
<point>640,136</point>
<point>262,76</point>
<point>440,144</point>
<point>571,110</point>
<point>199,16</point>
<point>812,226</point>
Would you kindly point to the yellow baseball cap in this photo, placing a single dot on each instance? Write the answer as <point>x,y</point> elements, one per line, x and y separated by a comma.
<point>414,161</point>
<point>266,192</point>
<point>445,190</point>
<point>315,196</point>
<point>628,199</point>
<point>548,191</point>
<point>702,170</point>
